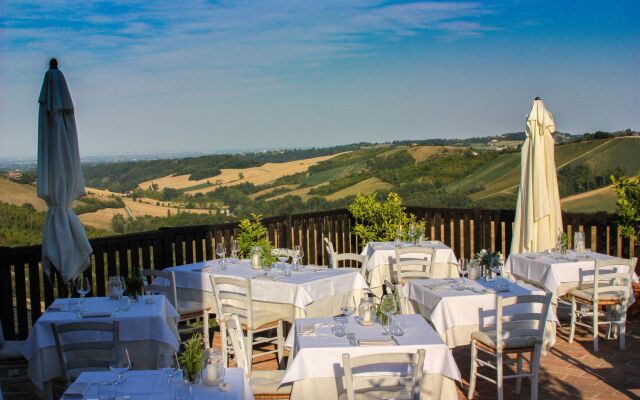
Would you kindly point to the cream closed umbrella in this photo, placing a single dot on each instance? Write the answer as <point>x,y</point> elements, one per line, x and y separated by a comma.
<point>60,180</point>
<point>538,215</point>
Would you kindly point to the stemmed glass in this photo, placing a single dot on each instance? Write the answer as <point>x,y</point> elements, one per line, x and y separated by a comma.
<point>559,243</point>
<point>120,362</point>
<point>83,287</point>
<point>399,235</point>
<point>266,267</point>
<point>168,364</point>
<point>496,267</point>
<point>348,309</point>
<point>463,267</point>
<point>388,306</point>
<point>412,233</point>
<point>283,256</point>
<point>298,253</point>
<point>235,249</point>
<point>221,252</point>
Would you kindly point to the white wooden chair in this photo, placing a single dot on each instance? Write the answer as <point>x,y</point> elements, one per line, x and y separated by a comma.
<point>233,297</point>
<point>609,291</point>
<point>76,356</point>
<point>513,333</point>
<point>263,383</point>
<point>335,258</point>
<point>412,263</point>
<point>188,310</point>
<point>365,386</point>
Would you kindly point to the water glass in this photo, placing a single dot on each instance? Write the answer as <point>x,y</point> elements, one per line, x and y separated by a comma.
<point>124,304</point>
<point>338,329</point>
<point>183,393</point>
<point>579,242</point>
<point>106,391</point>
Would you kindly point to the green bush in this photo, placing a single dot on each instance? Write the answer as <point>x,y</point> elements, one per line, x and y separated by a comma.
<point>378,222</point>
<point>253,233</point>
<point>628,202</point>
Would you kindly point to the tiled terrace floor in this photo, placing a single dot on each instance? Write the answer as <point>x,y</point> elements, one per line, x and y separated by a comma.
<point>569,371</point>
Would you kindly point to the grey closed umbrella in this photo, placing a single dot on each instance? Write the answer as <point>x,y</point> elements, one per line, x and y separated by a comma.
<point>60,181</point>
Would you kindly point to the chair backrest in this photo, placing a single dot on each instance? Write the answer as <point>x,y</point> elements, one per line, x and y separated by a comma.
<point>413,362</point>
<point>510,323</point>
<point>331,252</point>
<point>170,291</point>
<point>76,356</point>
<point>412,263</point>
<point>238,343</point>
<point>233,297</point>
<point>613,282</point>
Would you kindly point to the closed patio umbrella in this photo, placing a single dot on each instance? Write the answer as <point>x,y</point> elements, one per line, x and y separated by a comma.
<point>538,215</point>
<point>60,180</point>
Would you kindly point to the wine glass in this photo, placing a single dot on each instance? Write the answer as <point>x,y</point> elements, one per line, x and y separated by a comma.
<point>348,309</point>
<point>299,252</point>
<point>463,267</point>
<point>120,362</point>
<point>559,243</point>
<point>168,364</point>
<point>496,267</point>
<point>266,267</point>
<point>83,287</point>
<point>399,235</point>
<point>578,241</point>
<point>221,252</point>
<point>283,256</point>
<point>388,306</point>
<point>235,249</point>
<point>412,232</point>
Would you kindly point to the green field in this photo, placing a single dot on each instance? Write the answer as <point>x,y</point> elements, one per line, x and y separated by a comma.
<point>603,199</point>
<point>365,187</point>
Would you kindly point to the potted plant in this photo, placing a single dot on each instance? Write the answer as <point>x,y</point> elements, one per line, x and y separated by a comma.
<point>191,358</point>
<point>134,287</point>
<point>628,202</point>
<point>252,233</point>
<point>486,258</point>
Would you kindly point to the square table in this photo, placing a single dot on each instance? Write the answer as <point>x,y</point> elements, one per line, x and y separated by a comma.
<point>145,329</point>
<point>315,367</point>
<point>382,256</point>
<point>312,291</point>
<point>557,275</point>
<point>151,385</point>
<point>455,314</point>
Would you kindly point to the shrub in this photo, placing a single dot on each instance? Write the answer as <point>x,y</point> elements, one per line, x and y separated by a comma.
<point>628,202</point>
<point>253,233</point>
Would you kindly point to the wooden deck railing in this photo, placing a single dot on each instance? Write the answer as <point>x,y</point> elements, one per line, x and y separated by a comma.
<point>25,291</point>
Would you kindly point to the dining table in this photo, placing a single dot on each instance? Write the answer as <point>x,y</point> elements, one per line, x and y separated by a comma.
<point>381,258</point>
<point>458,307</point>
<point>147,327</point>
<point>315,364</point>
<point>152,385</point>
<point>558,273</point>
<point>309,291</point>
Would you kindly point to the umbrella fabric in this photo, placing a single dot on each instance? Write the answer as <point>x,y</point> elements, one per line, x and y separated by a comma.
<point>538,215</point>
<point>60,180</point>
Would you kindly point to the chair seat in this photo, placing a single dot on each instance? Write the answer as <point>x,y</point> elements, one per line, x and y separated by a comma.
<point>191,309</point>
<point>488,338</point>
<point>11,350</point>
<point>587,294</point>
<point>268,382</point>
<point>396,392</point>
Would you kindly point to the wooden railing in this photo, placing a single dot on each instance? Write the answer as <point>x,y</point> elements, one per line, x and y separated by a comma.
<point>25,291</point>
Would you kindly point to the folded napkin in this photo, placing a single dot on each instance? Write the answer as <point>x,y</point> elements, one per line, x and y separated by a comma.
<point>77,390</point>
<point>377,342</point>
<point>95,314</point>
<point>307,329</point>
<point>497,290</point>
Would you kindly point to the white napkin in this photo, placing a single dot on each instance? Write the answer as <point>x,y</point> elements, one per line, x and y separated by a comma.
<point>77,390</point>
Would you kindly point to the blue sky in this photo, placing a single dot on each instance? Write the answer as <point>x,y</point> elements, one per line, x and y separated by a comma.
<point>226,75</point>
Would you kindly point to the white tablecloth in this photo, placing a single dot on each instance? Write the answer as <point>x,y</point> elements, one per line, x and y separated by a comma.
<point>143,328</point>
<point>456,314</point>
<point>302,289</point>
<point>320,356</point>
<point>556,275</point>
<point>139,385</point>
<point>382,257</point>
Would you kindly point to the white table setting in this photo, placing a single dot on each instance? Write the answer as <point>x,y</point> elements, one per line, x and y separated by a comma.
<point>305,292</point>
<point>147,327</point>
<point>382,255</point>
<point>557,273</point>
<point>459,307</point>
<point>316,354</point>
<point>152,385</point>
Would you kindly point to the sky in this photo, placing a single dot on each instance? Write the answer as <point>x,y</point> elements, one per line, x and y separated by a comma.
<point>179,76</point>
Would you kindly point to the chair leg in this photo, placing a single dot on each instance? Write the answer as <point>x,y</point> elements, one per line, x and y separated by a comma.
<point>280,334</point>
<point>595,327</point>
<point>535,371</point>
<point>499,374</point>
<point>609,325</point>
<point>622,327</point>
<point>223,342</point>
<point>249,346</point>
<point>474,369</point>
<point>519,371</point>
<point>572,328</point>
<point>205,329</point>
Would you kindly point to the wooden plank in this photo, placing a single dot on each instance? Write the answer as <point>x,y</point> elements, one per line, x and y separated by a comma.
<point>188,249</point>
<point>446,222</point>
<point>123,258</point>
<point>208,245</point>
<point>467,235</point>
<point>6,294</point>
<point>100,278</point>
<point>21,300</point>
<point>198,242</point>
<point>179,250</point>
<point>147,250</point>
<point>34,288</point>
<point>135,256</point>
<point>111,261</point>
